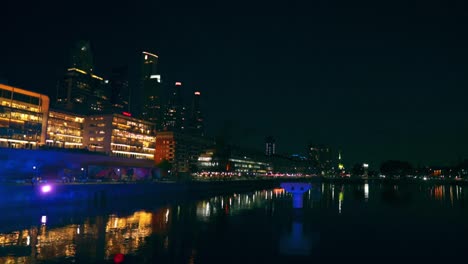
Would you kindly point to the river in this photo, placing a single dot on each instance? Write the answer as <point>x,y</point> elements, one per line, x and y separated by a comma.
<point>333,223</point>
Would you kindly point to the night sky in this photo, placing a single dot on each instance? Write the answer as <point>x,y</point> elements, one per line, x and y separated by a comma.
<point>378,80</point>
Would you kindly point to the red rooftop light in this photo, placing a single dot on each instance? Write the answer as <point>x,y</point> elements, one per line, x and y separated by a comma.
<point>126,114</point>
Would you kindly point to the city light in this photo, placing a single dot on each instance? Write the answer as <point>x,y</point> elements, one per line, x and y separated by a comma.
<point>44,219</point>
<point>46,188</point>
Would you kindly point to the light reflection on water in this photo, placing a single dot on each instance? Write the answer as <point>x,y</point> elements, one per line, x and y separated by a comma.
<point>187,231</point>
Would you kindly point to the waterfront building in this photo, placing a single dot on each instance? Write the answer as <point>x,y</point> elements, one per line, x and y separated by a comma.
<point>320,157</point>
<point>23,117</point>
<point>232,162</point>
<point>64,129</point>
<point>180,150</point>
<point>120,135</point>
<point>151,108</point>
<point>270,146</point>
<point>82,91</point>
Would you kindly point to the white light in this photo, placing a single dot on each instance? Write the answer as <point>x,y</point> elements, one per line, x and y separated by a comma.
<point>366,191</point>
<point>365,165</point>
<point>28,240</point>
<point>167,215</point>
<point>78,230</point>
<point>44,219</point>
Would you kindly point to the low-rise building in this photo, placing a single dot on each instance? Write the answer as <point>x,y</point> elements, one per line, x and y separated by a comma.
<point>120,135</point>
<point>65,130</point>
<point>180,150</point>
<point>23,117</point>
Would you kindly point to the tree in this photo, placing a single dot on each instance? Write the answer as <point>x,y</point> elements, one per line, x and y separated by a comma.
<point>165,166</point>
<point>357,170</point>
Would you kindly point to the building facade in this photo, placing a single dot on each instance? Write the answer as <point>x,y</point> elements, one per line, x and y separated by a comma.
<point>23,117</point>
<point>120,135</point>
<point>81,90</point>
<point>270,146</point>
<point>180,150</point>
<point>321,158</point>
<point>65,130</point>
<point>151,108</point>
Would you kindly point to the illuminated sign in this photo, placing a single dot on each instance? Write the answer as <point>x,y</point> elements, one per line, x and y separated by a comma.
<point>126,114</point>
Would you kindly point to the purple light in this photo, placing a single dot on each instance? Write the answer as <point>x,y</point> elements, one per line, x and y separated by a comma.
<point>46,188</point>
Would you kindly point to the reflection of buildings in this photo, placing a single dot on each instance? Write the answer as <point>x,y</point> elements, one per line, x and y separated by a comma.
<point>120,135</point>
<point>87,242</point>
<point>23,117</point>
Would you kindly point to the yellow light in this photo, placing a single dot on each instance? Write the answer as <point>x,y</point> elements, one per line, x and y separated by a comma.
<point>97,77</point>
<point>135,153</point>
<point>78,70</point>
<point>151,54</point>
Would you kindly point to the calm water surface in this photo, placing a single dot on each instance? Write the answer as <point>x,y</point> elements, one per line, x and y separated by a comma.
<point>337,223</point>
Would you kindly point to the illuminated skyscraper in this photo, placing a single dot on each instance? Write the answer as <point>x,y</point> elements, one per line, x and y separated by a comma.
<point>82,91</point>
<point>270,146</point>
<point>340,162</point>
<point>151,109</point>
<point>196,125</point>
<point>175,113</point>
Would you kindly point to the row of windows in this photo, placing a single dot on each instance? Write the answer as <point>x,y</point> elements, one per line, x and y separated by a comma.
<point>20,97</point>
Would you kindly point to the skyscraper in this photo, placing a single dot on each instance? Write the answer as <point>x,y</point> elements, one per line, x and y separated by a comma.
<point>175,118</point>
<point>120,92</point>
<point>270,146</point>
<point>196,125</point>
<point>151,109</point>
<point>81,90</point>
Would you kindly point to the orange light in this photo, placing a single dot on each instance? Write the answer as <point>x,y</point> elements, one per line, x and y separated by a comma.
<point>278,190</point>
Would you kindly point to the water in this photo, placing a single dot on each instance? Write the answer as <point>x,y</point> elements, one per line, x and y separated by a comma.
<point>337,223</point>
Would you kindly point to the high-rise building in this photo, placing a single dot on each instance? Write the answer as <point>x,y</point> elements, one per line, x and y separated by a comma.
<point>196,125</point>
<point>120,92</point>
<point>151,109</point>
<point>270,146</point>
<point>341,166</point>
<point>81,91</point>
<point>175,118</point>
<point>320,157</point>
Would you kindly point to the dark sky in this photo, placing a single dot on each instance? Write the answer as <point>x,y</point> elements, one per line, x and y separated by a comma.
<point>378,79</point>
